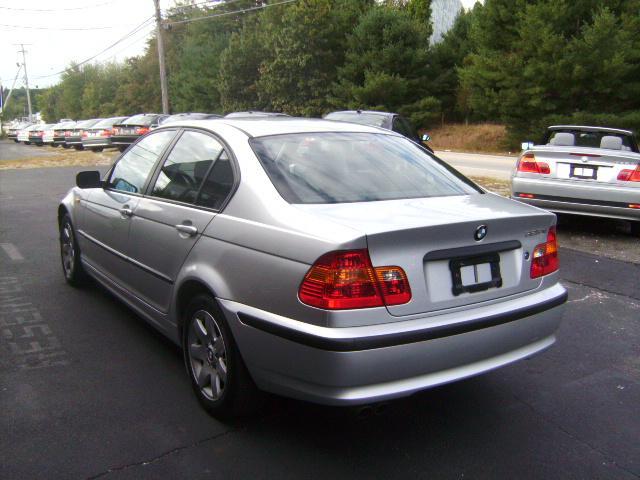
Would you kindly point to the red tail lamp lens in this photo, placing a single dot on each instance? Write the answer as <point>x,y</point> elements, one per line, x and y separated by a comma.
<point>142,130</point>
<point>347,280</point>
<point>545,256</point>
<point>630,175</point>
<point>394,285</point>
<point>528,164</point>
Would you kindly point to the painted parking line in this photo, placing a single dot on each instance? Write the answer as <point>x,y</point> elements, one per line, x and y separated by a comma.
<point>12,251</point>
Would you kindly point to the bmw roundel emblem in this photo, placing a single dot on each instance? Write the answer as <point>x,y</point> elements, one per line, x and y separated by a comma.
<point>481,232</point>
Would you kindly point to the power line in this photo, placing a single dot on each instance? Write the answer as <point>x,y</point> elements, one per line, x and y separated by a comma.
<point>144,32</point>
<point>244,10</point>
<point>85,7</point>
<point>30,27</point>
<point>133,32</point>
<point>208,3</point>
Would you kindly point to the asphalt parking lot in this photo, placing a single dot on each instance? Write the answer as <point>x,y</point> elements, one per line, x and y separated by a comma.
<point>88,390</point>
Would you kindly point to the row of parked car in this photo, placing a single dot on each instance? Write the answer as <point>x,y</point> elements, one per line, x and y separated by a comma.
<point>94,134</point>
<point>97,134</point>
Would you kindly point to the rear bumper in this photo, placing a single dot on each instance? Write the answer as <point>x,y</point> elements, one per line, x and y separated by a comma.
<point>124,139</point>
<point>356,365</point>
<point>97,142</point>
<point>611,201</point>
<point>73,141</point>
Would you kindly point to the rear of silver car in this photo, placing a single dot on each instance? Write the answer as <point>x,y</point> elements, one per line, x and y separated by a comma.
<point>475,303</point>
<point>576,180</point>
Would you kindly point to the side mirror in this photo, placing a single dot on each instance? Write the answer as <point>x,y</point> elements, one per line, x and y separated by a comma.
<point>89,179</point>
<point>527,145</point>
<point>426,137</point>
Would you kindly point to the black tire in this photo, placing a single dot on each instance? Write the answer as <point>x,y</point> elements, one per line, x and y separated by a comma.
<point>78,147</point>
<point>122,148</point>
<point>64,145</point>
<point>72,269</point>
<point>97,149</point>
<point>635,228</point>
<point>223,396</point>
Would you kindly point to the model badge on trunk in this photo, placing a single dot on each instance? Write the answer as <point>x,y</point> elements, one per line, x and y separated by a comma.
<point>481,232</point>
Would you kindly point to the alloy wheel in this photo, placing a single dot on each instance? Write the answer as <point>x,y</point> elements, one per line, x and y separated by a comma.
<point>68,250</point>
<point>207,355</point>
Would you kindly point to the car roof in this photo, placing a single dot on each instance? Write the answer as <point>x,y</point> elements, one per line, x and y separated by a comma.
<point>590,129</point>
<point>263,126</point>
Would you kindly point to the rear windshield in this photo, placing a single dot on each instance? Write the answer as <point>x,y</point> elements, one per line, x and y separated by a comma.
<point>87,123</point>
<point>354,167</point>
<point>140,120</point>
<point>108,122</point>
<point>591,139</point>
<point>371,119</point>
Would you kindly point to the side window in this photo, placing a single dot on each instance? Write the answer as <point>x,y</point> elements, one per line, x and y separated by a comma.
<point>186,167</point>
<point>218,184</point>
<point>403,127</point>
<point>400,127</point>
<point>132,170</point>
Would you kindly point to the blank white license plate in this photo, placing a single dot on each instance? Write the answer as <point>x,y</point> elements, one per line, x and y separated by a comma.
<point>473,274</point>
<point>583,172</point>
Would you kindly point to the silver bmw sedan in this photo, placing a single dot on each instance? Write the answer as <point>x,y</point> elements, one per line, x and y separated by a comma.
<point>330,262</point>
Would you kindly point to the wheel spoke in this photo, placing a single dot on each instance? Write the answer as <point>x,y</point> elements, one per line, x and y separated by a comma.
<point>215,387</point>
<point>221,369</point>
<point>198,351</point>
<point>211,328</point>
<point>204,376</point>
<point>200,330</point>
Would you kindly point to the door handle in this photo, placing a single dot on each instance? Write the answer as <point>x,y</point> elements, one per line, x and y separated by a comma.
<point>188,230</point>
<point>126,211</point>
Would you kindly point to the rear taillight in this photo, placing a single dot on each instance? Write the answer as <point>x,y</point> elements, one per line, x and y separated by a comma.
<point>630,175</point>
<point>40,134</point>
<point>84,133</point>
<point>67,133</point>
<point>142,130</point>
<point>528,164</point>
<point>346,280</point>
<point>107,132</point>
<point>545,256</point>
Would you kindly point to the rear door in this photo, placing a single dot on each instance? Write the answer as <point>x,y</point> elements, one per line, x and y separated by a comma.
<point>185,194</point>
<point>104,231</point>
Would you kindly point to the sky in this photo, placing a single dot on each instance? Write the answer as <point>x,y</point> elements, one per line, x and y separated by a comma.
<point>50,49</point>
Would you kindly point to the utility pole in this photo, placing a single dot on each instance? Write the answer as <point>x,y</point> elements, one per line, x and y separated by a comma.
<point>26,79</point>
<point>163,71</point>
<point>6,100</point>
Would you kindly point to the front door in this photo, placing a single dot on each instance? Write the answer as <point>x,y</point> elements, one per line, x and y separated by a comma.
<point>108,211</point>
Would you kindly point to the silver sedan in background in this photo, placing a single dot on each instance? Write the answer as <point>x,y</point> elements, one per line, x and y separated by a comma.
<point>326,261</point>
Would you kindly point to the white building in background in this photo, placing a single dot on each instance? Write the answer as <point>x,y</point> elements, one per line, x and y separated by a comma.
<point>443,15</point>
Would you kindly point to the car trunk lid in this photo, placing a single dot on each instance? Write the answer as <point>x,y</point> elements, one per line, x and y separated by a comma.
<point>582,165</point>
<point>437,243</point>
